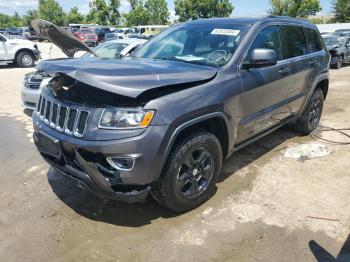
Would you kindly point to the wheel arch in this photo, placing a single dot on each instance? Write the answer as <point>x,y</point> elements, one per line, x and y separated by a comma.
<point>215,123</point>
<point>321,82</point>
<point>23,50</point>
<point>323,85</point>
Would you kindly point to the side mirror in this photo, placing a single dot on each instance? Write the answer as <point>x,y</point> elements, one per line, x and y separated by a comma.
<point>2,39</point>
<point>261,57</point>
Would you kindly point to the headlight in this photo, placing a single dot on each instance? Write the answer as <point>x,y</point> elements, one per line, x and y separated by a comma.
<point>124,118</point>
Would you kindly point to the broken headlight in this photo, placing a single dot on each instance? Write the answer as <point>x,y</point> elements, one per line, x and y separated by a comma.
<point>123,118</point>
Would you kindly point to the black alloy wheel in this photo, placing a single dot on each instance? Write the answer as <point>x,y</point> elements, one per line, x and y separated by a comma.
<point>190,173</point>
<point>195,172</point>
<point>315,111</point>
<point>311,117</point>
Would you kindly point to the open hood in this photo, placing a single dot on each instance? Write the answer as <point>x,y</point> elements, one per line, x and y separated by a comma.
<point>131,77</point>
<point>62,38</point>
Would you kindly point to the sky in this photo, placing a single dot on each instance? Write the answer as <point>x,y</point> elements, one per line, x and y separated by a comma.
<point>242,7</point>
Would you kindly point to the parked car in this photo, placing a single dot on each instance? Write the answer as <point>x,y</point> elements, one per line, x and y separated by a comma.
<point>88,36</point>
<point>163,121</point>
<point>3,31</point>
<point>29,33</point>
<point>116,48</point>
<point>111,36</point>
<point>138,36</point>
<point>18,51</point>
<point>339,48</point>
<point>14,31</point>
<point>148,31</point>
<point>101,32</point>
<point>123,32</point>
<point>343,32</point>
<point>35,81</point>
<point>327,34</point>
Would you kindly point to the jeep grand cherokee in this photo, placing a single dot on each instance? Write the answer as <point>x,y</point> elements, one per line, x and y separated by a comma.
<point>163,121</point>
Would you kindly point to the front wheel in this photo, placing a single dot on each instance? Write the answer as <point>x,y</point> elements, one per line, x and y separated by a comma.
<point>339,63</point>
<point>191,172</point>
<point>25,59</point>
<point>312,114</point>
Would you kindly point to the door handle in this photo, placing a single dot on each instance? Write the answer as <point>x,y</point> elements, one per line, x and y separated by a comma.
<point>284,71</point>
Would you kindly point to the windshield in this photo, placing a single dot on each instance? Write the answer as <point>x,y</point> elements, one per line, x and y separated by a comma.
<point>210,45</point>
<point>331,41</point>
<point>108,50</point>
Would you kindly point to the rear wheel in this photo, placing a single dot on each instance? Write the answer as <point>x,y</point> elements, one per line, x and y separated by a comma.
<point>312,114</point>
<point>191,172</point>
<point>25,59</point>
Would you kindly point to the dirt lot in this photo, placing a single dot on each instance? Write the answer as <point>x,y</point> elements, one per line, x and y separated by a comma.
<point>262,210</point>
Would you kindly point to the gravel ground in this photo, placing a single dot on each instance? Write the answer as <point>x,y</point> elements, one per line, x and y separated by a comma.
<point>266,208</point>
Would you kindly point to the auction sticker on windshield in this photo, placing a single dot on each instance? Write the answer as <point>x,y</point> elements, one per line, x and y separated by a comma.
<point>218,31</point>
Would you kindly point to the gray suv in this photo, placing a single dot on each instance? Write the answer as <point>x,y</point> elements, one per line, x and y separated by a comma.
<point>163,121</point>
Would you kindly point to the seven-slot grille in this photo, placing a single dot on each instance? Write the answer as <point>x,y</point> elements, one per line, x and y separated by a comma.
<point>69,120</point>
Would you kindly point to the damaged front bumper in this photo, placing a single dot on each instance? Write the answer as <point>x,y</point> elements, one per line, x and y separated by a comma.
<point>37,53</point>
<point>72,165</point>
<point>87,161</point>
<point>334,60</point>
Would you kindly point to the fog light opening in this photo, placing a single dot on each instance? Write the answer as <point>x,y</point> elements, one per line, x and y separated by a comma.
<point>121,163</point>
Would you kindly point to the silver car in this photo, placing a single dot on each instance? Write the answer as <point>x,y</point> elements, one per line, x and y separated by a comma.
<point>31,88</point>
<point>35,81</point>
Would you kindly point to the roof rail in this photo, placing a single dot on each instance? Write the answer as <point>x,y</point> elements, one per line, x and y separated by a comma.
<point>287,18</point>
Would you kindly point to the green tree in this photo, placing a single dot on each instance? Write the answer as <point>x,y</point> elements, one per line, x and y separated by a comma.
<point>29,16</point>
<point>295,8</point>
<point>5,20</point>
<point>318,20</point>
<point>341,11</point>
<point>51,11</point>
<point>104,12</point>
<point>135,3</point>
<point>158,12</point>
<point>194,9</point>
<point>16,20</point>
<point>138,14</point>
<point>73,16</point>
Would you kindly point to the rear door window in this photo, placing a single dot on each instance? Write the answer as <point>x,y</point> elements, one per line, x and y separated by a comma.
<point>313,41</point>
<point>294,41</point>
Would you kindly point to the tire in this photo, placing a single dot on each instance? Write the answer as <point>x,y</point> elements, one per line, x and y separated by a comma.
<point>340,62</point>
<point>25,59</point>
<point>312,114</point>
<point>190,174</point>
